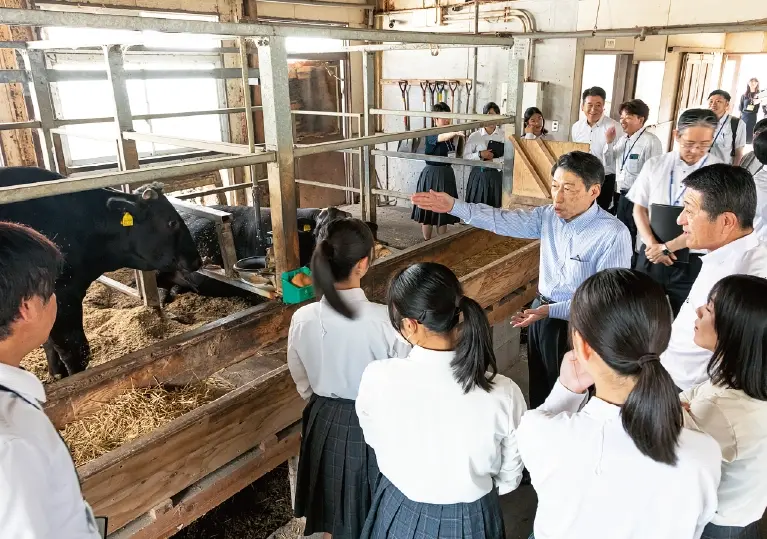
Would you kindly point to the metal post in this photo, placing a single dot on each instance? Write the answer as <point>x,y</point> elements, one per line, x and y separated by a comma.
<point>513,108</point>
<point>273,63</point>
<point>368,172</point>
<point>127,154</point>
<point>41,97</point>
<point>249,122</point>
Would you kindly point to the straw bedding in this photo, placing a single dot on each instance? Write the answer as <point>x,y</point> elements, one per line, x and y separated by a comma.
<point>499,250</point>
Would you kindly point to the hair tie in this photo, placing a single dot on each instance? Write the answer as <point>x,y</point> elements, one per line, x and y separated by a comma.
<point>647,358</point>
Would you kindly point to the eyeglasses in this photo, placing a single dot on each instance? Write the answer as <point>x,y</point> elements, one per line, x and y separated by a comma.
<point>702,146</point>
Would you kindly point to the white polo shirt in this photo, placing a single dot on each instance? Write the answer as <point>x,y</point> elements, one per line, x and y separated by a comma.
<point>722,147</point>
<point>685,361</point>
<point>40,495</point>
<point>630,154</point>
<point>597,138</point>
<point>760,223</point>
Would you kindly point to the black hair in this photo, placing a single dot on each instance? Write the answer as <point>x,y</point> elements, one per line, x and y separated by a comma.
<point>696,118</point>
<point>637,107</point>
<point>725,188</point>
<point>625,317</point>
<point>440,107</point>
<point>532,111</point>
<point>431,294</point>
<point>739,360</point>
<point>29,266</point>
<point>491,106</point>
<point>760,126</point>
<point>726,95</point>
<point>760,147</point>
<point>748,87</point>
<point>345,242</point>
<point>594,91</point>
<point>584,165</point>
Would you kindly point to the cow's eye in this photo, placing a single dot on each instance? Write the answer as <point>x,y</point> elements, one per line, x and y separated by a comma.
<point>173,224</point>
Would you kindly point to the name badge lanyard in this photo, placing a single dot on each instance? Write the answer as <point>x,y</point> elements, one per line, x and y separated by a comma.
<point>675,202</point>
<point>628,154</point>
<point>721,128</point>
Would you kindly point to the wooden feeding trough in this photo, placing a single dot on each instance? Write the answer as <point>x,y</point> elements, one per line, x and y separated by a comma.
<point>155,485</point>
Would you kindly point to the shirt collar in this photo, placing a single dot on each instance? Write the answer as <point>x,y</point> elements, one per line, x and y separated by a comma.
<point>600,409</point>
<point>636,135</point>
<point>724,119</point>
<point>22,382</point>
<point>733,249</point>
<point>419,353</point>
<point>354,295</point>
<point>684,166</point>
<point>583,220</point>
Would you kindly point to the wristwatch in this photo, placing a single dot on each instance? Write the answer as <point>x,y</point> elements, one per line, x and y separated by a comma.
<point>666,252</point>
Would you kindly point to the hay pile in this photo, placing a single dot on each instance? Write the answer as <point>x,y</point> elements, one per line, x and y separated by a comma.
<point>134,414</point>
<point>116,324</point>
<point>381,251</point>
<point>483,258</point>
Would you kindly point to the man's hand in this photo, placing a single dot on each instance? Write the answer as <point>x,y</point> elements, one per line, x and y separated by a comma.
<point>654,254</point>
<point>610,134</point>
<point>433,201</point>
<point>573,376</point>
<point>527,317</point>
<point>486,155</point>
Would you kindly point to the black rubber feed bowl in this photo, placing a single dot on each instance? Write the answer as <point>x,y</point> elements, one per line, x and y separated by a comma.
<point>252,263</point>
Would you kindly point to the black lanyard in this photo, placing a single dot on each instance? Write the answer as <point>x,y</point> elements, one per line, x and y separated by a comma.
<point>627,155</point>
<point>721,128</point>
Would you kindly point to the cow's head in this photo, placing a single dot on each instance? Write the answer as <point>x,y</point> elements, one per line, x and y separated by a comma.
<point>154,235</point>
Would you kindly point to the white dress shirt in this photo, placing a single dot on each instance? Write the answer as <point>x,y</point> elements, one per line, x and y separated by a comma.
<point>478,142</point>
<point>738,423</point>
<point>683,359</point>
<point>434,442</point>
<point>593,483</point>
<point>760,222</point>
<point>722,147</point>
<point>629,154</point>
<point>327,353</point>
<point>531,136</point>
<point>596,136</point>
<point>40,494</point>
<point>657,184</point>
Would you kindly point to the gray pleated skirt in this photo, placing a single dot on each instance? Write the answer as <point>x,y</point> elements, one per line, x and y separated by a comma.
<point>484,187</point>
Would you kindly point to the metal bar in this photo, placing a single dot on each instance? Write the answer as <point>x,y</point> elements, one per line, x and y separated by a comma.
<point>514,90</point>
<point>160,115</point>
<point>8,76</point>
<point>215,191</point>
<point>413,82</point>
<point>437,159</point>
<point>10,126</point>
<point>320,3</point>
<point>211,214</point>
<point>275,94</point>
<point>42,102</point>
<point>89,136</point>
<point>117,285</point>
<point>425,114</point>
<point>80,169</point>
<point>392,194</point>
<point>326,113</point>
<point>368,171</point>
<point>216,146</point>
<point>226,245</point>
<point>61,75</point>
<point>333,146</point>
<point>514,99</point>
<point>330,186</point>
<point>13,44</point>
<point>405,47</point>
<point>34,17</point>
<point>218,275</point>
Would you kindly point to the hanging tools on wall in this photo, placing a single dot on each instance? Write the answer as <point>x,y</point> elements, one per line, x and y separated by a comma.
<point>424,87</point>
<point>403,88</point>
<point>441,91</point>
<point>432,90</point>
<point>409,145</point>
<point>453,85</point>
<point>468,95</point>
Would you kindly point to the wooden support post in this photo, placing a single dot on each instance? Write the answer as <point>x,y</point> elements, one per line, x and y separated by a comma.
<point>513,108</point>
<point>273,63</point>
<point>368,172</point>
<point>41,97</point>
<point>127,154</point>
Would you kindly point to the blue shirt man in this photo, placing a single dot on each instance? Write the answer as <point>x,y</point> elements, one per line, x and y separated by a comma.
<point>578,239</point>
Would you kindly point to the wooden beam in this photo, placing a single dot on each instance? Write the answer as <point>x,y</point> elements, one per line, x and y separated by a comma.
<point>139,476</point>
<point>513,303</point>
<point>194,355</point>
<point>502,276</point>
<point>524,160</point>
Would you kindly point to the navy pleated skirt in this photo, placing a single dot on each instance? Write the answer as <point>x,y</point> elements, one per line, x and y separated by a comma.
<point>484,187</point>
<point>337,470</point>
<point>393,516</point>
<point>440,179</point>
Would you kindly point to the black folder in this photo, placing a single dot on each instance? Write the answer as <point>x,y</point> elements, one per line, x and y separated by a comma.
<point>495,147</point>
<point>665,228</point>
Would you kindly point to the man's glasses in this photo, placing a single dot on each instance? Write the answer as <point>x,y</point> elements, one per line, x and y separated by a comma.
<point>702,146</point>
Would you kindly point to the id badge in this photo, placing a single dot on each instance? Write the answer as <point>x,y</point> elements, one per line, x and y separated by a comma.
<point>750,108</point>
<point>101,522</point>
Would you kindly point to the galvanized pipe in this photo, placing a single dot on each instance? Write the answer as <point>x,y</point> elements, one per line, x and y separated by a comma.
<point>321,3</point>
<point>450,115</point>
<point>438,159</point>
<point>59,75</point>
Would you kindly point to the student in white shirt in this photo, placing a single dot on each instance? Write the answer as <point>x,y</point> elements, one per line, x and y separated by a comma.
<point>441,421</point>
<point>718,216</point>
<point>40,494</point>
<point>534,124</point>
<point>732,405</point>
<point>484,186</point>
<point>619,465</point>
<point>330,343</point>
<point>628,155</point>
<point>749,161</point>
<point>760,179</point>
<point>661,184</point>
<point>593,130</point>
<point>730,138</point>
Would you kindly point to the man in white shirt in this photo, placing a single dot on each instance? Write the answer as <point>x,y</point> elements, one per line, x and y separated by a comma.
<point>749,161</point>
<point>593,130</point>
<point>760,179</point>
<point>628,155</point>
<point>718,215</point>
<point>730,137</point>
<point>40,494</point>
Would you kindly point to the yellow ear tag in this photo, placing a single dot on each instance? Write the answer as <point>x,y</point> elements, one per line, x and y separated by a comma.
<point>307,228</point>
<point>127,219</point>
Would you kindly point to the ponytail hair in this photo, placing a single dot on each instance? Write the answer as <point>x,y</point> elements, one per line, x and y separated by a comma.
<point>344,243</point>
<point>431,294</point>
<point>625,317</point>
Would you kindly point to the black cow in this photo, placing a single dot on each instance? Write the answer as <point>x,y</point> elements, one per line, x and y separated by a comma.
<point>98,231</point>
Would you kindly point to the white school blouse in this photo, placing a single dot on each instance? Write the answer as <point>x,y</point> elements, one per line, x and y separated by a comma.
<point>593,483</point>
<point>479,141</point>
<point>327,353</point>
<point>435,443</point>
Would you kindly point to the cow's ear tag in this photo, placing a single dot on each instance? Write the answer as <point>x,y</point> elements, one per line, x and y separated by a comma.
<point>127,219</point>
<point>307,228</point>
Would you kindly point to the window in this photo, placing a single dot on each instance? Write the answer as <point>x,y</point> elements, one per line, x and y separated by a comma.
<point>599,70</point>
<point>649,86</point>
<point>90,99</point>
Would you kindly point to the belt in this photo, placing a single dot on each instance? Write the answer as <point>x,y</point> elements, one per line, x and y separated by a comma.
<point>543,300</point>
<point>624,192</point>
